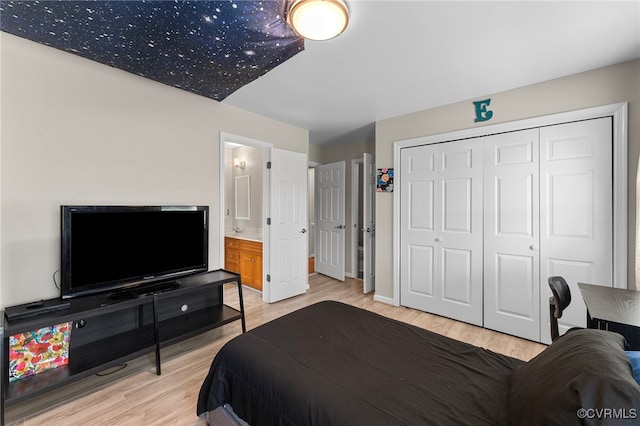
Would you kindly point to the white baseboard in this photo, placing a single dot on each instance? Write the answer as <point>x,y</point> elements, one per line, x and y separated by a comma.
<point>383,299</point>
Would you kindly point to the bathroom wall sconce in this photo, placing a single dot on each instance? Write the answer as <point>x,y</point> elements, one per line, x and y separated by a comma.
<point>238,164</point>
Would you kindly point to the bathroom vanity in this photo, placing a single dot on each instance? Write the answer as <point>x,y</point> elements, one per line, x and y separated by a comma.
<point>244,256</point>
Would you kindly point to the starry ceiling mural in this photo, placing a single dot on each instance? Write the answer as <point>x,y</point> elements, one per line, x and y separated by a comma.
<point>211,48</point>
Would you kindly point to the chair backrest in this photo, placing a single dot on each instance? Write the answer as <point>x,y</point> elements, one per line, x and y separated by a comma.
<point>558,302</point>
<point>561,295</point>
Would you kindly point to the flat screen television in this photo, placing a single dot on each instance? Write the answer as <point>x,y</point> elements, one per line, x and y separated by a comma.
<point>122,249</point>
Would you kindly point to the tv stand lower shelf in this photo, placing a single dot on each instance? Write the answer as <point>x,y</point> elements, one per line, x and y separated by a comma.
<point>107,332</point>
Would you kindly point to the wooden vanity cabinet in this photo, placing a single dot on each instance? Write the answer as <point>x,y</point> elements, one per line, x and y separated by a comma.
<point>251,263</point>
<point>245,258</point>
<point>232,254</point>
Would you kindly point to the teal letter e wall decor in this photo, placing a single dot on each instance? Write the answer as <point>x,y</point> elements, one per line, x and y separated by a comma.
<point>482,114</point>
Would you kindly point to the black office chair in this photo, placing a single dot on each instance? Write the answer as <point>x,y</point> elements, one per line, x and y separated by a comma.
<point>557,303</point>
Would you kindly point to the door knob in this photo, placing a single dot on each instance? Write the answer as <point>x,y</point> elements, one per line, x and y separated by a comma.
<point>303,230</point>
<point>438,239</point>
<point>532,247</point>
<point>339,227</point>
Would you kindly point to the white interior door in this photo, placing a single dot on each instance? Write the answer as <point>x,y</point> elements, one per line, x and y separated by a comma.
<point>287,258</point>
<point>576,208</point>
<point>511,233</point>
<point>369,223</point>
<point>441,230</point>
<point>330,187</point>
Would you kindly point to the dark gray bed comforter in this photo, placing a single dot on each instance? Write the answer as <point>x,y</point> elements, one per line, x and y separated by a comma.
<point>334,364</point>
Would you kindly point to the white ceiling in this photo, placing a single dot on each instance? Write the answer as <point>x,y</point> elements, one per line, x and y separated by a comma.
<point>398,57</point>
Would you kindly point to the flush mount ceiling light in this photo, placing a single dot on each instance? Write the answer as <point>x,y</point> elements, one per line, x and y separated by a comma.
<point>318,19</point>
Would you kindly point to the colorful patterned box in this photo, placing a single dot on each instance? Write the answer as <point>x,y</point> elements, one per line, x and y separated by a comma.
<point>36,351</point>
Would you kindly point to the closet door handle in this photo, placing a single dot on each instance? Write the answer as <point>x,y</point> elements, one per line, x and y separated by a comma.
<point>438,240</point>
<point>533,247</point>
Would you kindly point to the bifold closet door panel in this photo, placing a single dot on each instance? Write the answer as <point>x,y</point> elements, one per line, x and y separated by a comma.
<point>511,233</point>
<point>576,205</point>
<point>418,228</point>
<point>441,230</point>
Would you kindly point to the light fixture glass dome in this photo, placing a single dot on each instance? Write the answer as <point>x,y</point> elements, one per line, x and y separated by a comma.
<point>318,19</point>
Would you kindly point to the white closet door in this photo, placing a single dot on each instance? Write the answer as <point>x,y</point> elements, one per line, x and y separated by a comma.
<point>576,209</point>
<point>441,229</point>
<point>511,234</point>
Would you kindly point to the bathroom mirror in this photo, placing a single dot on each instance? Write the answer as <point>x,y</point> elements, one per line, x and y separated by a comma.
<point>243,197</point>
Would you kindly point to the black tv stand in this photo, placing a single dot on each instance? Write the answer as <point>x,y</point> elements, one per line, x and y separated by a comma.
<point>108,332</point>
<point>13,313</point>
<point>136,292</point>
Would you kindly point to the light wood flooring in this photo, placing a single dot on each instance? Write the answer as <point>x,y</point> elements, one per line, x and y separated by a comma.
<point>136,396</point>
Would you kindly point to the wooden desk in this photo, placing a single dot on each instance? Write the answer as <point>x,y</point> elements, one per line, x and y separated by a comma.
<point>613,309</point>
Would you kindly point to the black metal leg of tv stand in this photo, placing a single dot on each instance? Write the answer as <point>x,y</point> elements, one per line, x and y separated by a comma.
<point>4,346</point>
<point>156,333</point>
<point>244,326</point>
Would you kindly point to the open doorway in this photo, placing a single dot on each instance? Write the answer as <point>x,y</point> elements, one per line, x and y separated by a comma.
<point>272,249</point>
<point>363,191</point>
<point>311,215</point>
<point>346,202</point>
<point>244,211</point>
<point>357,211</point>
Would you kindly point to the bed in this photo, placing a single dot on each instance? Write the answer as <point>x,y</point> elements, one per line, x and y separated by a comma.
<point>335,364</point>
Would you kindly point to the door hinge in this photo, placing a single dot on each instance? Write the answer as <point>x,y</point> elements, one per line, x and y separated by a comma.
<point>268,221</point>
<point>268,278</point>
<point>268,164</point>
